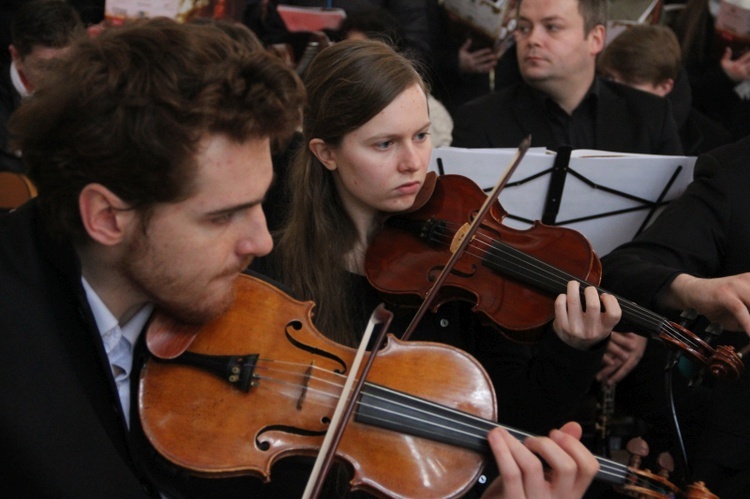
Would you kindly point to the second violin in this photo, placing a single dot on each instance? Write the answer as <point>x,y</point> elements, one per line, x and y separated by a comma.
<point>512,276</point>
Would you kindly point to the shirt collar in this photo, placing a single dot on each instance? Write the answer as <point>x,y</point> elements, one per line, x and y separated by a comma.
<point>544,99</point>
<point>109,328</point>
<point>18,84</point>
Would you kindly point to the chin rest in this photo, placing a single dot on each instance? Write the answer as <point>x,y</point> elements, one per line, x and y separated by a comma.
<point>15,189</point>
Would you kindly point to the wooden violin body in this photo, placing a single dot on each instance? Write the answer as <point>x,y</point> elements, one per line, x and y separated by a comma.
<point>275,384</point>
<point>259,384</point>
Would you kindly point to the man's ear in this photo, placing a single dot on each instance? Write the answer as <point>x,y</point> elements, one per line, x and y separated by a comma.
<point>324,153</point>
<point>597,38</point>
<point>665,87</point>
<point>14,53</point>
<point>105,216</point>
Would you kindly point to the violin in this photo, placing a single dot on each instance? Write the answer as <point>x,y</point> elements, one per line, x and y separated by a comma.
<point>511,276</point>
<point>259,383</point>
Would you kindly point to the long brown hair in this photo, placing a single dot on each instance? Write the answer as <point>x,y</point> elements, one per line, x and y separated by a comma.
<point>347,85</point>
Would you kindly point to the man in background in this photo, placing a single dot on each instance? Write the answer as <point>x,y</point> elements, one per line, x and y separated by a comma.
<point>41,32</point>
<point>648,57</point>
<point>560,100</point>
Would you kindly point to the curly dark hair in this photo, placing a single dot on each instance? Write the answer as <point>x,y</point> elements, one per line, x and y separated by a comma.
<point>129,107</point>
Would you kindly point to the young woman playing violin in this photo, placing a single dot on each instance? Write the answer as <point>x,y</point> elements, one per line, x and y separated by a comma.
<point>364,155</point>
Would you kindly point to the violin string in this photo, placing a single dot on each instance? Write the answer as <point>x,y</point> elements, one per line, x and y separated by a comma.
<point>548,275</point>
<point>560,278</point>
<point>607,468</point>
<point>478,430</point>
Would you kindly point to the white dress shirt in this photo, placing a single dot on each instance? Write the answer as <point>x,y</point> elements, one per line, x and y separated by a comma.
<point>118,342</point>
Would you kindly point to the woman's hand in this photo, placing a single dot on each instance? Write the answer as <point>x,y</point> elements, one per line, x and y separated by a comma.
<point>582,325</point>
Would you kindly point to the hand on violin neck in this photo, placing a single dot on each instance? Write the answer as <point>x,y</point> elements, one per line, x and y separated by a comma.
<point>566,471</point>
<point>583,324</point>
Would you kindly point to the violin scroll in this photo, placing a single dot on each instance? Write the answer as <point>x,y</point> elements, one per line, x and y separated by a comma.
<point>698,490</point>
<point>725,363</point>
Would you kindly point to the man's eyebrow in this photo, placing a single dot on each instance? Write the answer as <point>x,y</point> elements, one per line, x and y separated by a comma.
<point>243,206</point>
<point>231,209</point>
<point>554,17</point>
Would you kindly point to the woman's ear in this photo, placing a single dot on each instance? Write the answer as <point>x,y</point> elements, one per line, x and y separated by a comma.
<point>324,153</point>
<point>104,215</point>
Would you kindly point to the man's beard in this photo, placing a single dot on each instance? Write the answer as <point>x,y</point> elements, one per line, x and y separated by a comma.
<point>164,290</point>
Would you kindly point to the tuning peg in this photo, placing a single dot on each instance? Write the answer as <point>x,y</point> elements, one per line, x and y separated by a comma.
<point>638,449</point>
<point>666,464</point>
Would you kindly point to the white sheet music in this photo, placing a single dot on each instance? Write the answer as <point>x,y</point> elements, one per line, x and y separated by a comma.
<point>638,180</point>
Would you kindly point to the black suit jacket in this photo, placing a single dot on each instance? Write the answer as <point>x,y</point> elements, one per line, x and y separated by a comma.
<point>627,120</point>
<point>706,233</point>
<point>10,100</point>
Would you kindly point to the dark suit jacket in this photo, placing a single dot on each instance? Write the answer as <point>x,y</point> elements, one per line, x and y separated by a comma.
<point>706,232</point>
<point>627,120</point>
<point>9,102</point>
<point>61,426</point>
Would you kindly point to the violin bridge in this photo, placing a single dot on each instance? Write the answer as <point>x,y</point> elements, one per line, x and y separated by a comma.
<point>459,237</point>
<point>305,385</point>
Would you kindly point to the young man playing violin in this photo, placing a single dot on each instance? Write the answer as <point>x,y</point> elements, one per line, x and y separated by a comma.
<point>151,153</point>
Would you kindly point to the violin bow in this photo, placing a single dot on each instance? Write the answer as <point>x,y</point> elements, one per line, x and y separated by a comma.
<point>347,402</point>
<point>465,234</point>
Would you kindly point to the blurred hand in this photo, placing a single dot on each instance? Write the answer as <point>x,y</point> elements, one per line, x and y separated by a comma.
<point>479,61</point>
<point>737,70</point>
<point>96,29</point>
<point>624,352</point>
<point>522,475</point>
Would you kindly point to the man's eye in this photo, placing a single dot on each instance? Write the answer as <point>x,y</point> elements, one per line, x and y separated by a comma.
<point>222,219</point>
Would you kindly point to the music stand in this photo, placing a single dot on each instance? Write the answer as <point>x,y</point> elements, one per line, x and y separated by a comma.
<point>609,197</point>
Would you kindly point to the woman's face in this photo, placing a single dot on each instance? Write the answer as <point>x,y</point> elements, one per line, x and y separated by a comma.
<point>381,166</point>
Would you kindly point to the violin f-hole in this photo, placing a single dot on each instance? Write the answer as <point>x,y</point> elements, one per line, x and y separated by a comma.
<point>434,272</point>
<point>297,326</point>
